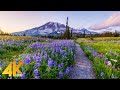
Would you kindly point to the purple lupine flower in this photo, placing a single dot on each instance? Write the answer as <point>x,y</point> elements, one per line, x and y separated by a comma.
<point>40,55</point>
<point>94,54</point>
<point>23,75</point>
<point>67,70</point>
<point>36,73</point>
<point>55,64</point>
<point>70,50</point>
<point>59,66</point>
<point>34,57</point>
<point>35,67</point>
<point>38,46</point>
<point>27,60</point>
<point>23,55</point>
<point>103,57</point>
<point>50,62</point>
<point>38,64</point>
<point>57,49</point>
<point>60,74</point>
<point>62,64</point>
<point>0,63</point>
<point>66,54</point>
<point>102,74</point>
<point>38,59</point>
<point>70,67</point>
<point>61,51</point>
<point>46,55</point>
<point>32,46</point>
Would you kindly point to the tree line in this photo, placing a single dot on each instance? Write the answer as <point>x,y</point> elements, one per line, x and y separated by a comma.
<point>4,33</point>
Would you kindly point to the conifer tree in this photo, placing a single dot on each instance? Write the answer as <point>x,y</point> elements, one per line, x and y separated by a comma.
<point>24,34</point>
<point>84,34</point>
<point>67,32</point>
<point>116,34</point>
<point>71,33</point>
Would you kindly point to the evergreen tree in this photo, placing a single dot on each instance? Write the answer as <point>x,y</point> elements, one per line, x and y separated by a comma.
<point>24,34</point>
<point>61,35</point>
<point>71,33</point>
<point>116,34</point>
<point>67,32</point>
<point>84,34</point>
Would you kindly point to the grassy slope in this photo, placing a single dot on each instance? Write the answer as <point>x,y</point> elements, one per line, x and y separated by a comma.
<point>102,45</point>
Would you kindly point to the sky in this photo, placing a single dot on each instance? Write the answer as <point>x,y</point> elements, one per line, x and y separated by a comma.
<point>14,21</point>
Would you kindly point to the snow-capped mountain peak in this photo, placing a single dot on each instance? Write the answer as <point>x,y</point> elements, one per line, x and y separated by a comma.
<point>48,28</point>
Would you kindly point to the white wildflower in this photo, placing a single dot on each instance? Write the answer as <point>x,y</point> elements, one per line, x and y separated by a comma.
<point>112,76</point>
<point>18,75</point>
<point>114,60</point>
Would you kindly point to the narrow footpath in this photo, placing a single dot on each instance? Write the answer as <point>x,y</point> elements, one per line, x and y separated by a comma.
<point>83,67</point>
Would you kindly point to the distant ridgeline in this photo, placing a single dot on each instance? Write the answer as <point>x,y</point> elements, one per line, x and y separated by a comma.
<point>110,34</point>
<point>58,30</point>
<point>54,30</point>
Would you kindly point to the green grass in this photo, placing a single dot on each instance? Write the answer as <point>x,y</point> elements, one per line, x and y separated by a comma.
<point>8,54</point>
<point>111,50</point>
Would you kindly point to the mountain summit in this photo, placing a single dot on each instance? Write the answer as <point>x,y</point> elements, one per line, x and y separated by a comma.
<point>48,28</point>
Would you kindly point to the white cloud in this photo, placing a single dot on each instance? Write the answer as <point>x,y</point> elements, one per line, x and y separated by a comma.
<point>113,20</point>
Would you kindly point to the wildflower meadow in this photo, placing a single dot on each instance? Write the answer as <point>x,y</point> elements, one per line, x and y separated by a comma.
<point>42,58</point>
<point>104,53</point>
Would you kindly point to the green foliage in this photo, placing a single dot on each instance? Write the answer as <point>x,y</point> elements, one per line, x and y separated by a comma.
<point>67,33</point>
<point>110,51</point>
<point>116,34</point>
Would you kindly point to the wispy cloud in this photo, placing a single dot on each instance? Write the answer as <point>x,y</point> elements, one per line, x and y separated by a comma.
<point>113,20</point>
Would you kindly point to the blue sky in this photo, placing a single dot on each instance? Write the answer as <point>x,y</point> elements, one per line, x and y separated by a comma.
<point>13,21</point>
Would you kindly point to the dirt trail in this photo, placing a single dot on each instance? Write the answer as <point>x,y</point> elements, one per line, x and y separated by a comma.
<point>83,67</point>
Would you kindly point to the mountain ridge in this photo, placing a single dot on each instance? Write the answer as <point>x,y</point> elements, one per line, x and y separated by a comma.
<point>50,27</point>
